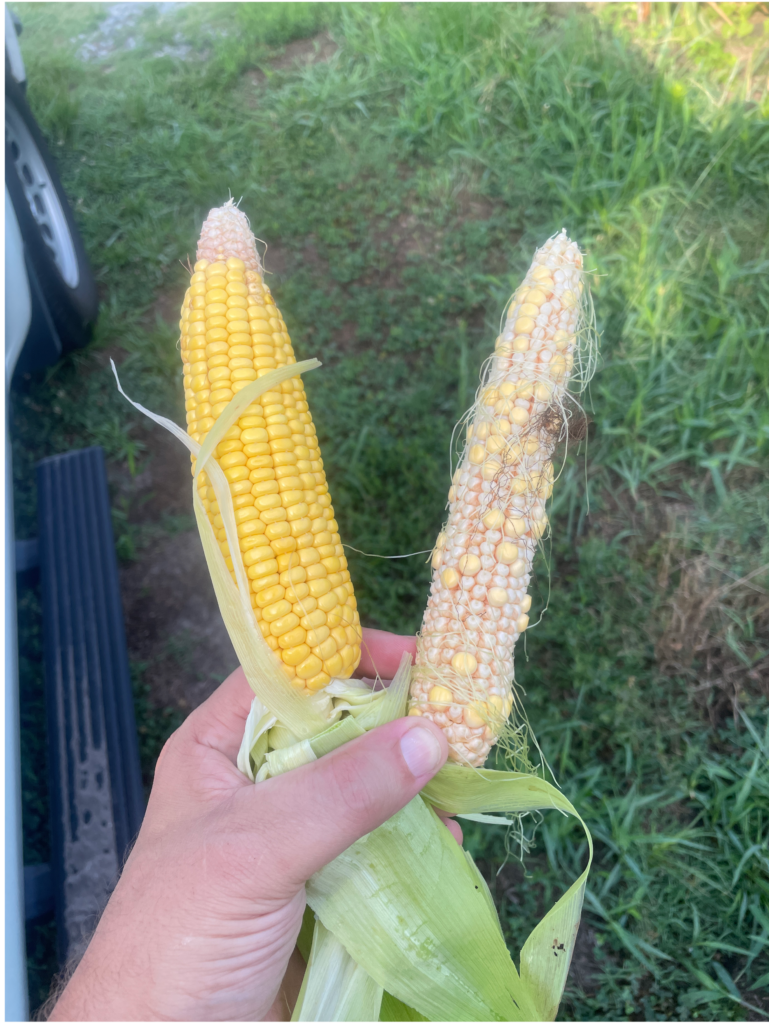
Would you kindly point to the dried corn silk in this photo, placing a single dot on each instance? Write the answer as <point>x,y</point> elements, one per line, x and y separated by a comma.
<point>478,605</point>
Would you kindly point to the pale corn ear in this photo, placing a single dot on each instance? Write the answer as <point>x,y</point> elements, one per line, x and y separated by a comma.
<point>478,605</point>
<point>232,333</point>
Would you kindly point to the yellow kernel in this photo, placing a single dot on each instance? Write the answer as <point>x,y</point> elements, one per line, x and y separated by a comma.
<point>476,454</point>
<point>464,662</point>
<point>232,459</point>
<point>450,578</point>
<point>528,308</point>
<point>561,339</point>
<point>294,575</point>
<point>266,501</point>
<point>490,468</point>
<point>319,681</point>
<point>526,603</point>
<point>568,299</point>
<point>275,610</point>
<point>310,667</point>
<point>284,624</point>
<point>521,343</point>
<point>284,545</point>
<point>469,565</point>
<point>506,552</point>
<point>252,540</point>
<point>266,567</point>
<point>494,519</point>
<point>522,623</point>
<point>539,273</point>
<point>542,393</point>
<point>497,596</point>
<point>495,444</point>
<point>515,527</point>
<point>538,527</point>
<point>326,649</point>
<point>293,655</point>
<point>415,712</point>
<point>440,695</point>
<point>558,365</point>
<point>518,569</point>
<point>524,325</point>
<point>328,601</point>
<point>320,587</point>
<point>316,636</point>
<point>314,619</point>
<point>519,416</point>
<point>473,719</point>
<point>496,702</point>
<point>270,595</point>
<point>256,552</point>
<point>217,269</point>
<point>333,666</point>
<point>535,296</point>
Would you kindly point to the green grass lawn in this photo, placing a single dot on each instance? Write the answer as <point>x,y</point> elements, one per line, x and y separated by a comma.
<point>403,166</point>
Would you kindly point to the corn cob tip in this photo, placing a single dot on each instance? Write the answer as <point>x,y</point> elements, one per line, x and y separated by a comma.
<point>226,233</point>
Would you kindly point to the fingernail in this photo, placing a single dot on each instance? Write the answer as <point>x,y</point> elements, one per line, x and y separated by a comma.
<point>421,751</point>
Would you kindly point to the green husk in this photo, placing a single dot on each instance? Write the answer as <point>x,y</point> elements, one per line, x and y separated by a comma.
<point>547,953</point>
<point>405,902</point>
<point>335,987</point>
<point>394,1009</point>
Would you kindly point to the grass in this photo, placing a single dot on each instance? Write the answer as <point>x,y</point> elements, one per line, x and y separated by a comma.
<point>403,181</point>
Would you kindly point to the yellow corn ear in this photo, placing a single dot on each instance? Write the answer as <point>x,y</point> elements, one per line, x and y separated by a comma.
<point>232,333</point>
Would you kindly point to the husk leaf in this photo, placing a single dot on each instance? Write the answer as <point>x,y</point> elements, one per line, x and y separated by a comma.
<point>335,987</point>
<point>547,953</point>
<point>405,902</point>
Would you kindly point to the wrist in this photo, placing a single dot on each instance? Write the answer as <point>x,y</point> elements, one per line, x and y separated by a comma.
<point>89,997</point>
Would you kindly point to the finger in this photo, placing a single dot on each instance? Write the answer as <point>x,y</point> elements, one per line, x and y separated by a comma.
<point>453,826</point>
<point>381,653</point>
<point>219,721</point>
<point>308,816</point>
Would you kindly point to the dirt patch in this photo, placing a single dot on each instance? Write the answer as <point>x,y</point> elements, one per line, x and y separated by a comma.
<point>300,54</point>
<point>713,624</point>
<point>166,306</point>
<point>173,622</point>
<point>173,625</point>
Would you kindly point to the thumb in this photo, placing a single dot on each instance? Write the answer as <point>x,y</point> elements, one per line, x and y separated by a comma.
<point>310,815</point>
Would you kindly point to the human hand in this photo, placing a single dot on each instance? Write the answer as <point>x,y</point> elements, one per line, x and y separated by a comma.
<point>204,920</point>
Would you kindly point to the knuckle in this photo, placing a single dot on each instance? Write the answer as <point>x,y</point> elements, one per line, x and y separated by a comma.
<point>356,792</point>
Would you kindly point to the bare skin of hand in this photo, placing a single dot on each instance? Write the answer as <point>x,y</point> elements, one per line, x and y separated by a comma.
<point>204,920</point>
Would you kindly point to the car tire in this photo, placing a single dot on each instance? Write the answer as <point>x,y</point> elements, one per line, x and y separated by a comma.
<point>51,239</point>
